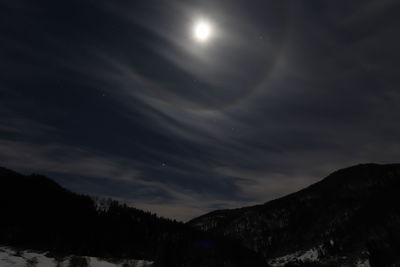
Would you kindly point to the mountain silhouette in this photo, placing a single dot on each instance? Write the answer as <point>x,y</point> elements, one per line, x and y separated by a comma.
<point>350,218</point>
<point>37,213</point>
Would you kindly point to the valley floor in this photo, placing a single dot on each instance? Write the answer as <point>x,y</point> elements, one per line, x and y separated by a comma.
<point>10,257</point>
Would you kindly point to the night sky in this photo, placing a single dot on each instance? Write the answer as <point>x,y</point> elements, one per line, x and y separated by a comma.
<point>118,99</point>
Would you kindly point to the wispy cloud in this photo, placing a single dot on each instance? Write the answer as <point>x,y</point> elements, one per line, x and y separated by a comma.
<point>126,105</point>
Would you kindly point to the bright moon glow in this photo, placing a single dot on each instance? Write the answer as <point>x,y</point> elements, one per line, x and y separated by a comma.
<point>202,31</point>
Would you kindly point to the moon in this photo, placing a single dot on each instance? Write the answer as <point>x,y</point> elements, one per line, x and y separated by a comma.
<point>202,31</point>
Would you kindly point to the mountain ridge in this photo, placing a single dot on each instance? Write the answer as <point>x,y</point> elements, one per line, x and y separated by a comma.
<point>37,213</point>
<point>349,218</point>
<point>293,193</point>
<point>350,213</point>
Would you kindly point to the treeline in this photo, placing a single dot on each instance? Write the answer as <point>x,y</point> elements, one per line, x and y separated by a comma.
<point>37,213</point>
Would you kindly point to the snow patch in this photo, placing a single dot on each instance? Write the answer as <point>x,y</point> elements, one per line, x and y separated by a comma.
<point>13,258</point>
<point>316,255</point>
<point>310,255</point>
<point>363,263</point>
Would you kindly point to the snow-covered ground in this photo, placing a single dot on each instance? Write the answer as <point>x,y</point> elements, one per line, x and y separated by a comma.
<point>363,263</point>
<point>304,256</point>
<point>311,255</point>
<point>12,258</point>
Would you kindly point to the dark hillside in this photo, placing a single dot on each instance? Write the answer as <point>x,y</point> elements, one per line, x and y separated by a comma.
<point>37,213</point>
<point>353,213</point>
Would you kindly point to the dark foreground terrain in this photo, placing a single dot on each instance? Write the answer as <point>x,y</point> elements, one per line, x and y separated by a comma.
<point>37,213</point>
<point>350,218</point>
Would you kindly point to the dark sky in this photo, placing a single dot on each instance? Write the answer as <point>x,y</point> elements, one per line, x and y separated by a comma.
<point>116,98</point>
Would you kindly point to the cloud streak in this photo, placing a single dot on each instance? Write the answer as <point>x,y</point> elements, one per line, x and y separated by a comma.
<point>126,105</point>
